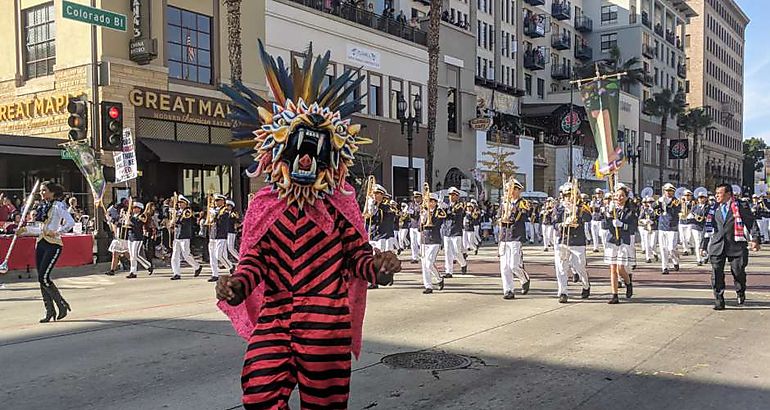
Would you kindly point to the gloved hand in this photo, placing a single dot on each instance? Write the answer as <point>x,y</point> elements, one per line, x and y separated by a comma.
<point>617,223</point>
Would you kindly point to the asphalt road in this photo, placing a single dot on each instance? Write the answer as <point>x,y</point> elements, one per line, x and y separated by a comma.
<point>152,343</point>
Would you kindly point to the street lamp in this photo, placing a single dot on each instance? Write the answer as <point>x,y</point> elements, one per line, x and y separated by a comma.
<point>412,124</point>
<point>633,153</point>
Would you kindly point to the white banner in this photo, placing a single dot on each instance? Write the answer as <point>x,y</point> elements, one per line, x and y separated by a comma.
<point>125,161</point>
<point>365,56</point>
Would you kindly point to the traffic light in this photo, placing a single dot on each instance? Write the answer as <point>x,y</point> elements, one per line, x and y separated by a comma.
<point>77,107</point>
<point>112,126</point>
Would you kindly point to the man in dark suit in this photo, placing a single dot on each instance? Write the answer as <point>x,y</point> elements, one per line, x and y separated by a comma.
<point>722,246</point>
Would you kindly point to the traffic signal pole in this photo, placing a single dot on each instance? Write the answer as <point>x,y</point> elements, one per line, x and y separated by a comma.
<point>100,235</point>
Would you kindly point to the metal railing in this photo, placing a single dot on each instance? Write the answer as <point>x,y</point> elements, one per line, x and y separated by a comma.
<point>583,24</point>
<point>359,15</point>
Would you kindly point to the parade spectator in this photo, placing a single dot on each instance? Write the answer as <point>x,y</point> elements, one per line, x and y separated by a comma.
<point>4,210</point>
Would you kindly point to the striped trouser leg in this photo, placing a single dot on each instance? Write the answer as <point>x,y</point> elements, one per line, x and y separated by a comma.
<point>321,339</point>
<point>269,374</point>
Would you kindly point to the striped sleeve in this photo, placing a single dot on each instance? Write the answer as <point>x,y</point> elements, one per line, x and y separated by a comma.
<point>358,253</point>
<point>250,268</point>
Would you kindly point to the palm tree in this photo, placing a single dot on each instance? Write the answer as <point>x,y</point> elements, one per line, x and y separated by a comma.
<point>434,25</point>
<point>234,38</point>
<point>693,122</point>
<point>614,65</point>
<point>236,68</point>
<point>664,104</point>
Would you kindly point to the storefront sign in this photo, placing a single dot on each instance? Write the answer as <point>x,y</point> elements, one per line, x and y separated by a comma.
<point>481,123</point>
<point>570,122</point>
<point>170,106</point>
<point>125,161</point>
<point>142,48</point>
<point>368,58</point>
<point>33,108</point>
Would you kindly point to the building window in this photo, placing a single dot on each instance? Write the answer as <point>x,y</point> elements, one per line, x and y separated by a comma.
<point>188,43</point>
<point>356,94</point>
<point>375,94</point>
<point>541,88</point>
<point>528,83</point>
<point>396,90</point>
<point>453,99</point>
<point>609,14</point>
<point>39,35</point>
<point>415,93</point>
<point>609,41</point>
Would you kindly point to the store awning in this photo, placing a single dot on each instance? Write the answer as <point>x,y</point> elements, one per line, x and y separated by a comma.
<point>189,152</point>
<point>23,145</point>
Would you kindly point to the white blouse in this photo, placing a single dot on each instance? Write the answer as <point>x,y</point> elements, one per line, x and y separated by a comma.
<point>58,221</point>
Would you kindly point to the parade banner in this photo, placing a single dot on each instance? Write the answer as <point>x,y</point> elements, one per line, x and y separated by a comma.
<point>125,160</point>
<point>602,99</point>
<point>679,149</point>
<point>83,156</point>
<point>767,166</point>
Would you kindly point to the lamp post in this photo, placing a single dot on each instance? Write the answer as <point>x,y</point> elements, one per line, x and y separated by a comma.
<point>633,153</point>
<point>412,125</point>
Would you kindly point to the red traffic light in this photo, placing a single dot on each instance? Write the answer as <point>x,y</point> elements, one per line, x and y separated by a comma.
<point>113,112</point>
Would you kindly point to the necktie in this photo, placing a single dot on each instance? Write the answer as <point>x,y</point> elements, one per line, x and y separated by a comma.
<point>724,212</point>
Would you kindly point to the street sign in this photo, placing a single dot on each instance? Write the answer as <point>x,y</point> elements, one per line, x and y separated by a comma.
<point>91,15</point>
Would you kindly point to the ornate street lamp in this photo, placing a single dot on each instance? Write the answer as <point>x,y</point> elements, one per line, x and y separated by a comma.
<point>412,125</point>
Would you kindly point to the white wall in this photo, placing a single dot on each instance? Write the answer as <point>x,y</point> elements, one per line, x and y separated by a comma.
<point>522,156</point>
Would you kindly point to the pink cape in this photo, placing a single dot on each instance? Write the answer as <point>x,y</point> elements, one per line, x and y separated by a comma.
<point>264,209</point>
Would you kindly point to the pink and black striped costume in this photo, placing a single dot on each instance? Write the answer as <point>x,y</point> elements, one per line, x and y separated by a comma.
<point>305,272</point>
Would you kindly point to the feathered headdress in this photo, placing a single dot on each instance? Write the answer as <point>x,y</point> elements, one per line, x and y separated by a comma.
<point>302,141</point>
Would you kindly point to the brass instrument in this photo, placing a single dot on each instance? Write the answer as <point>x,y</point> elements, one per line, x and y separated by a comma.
<point>172,220</point>
<point>571,212</point>
<point>371,181</point>
<point>127,215</point>
<point>209,206</point>
<point>685,210</point>
<point>426,205</point>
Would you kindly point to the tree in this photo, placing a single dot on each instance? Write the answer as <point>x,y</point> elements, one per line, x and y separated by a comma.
<point>753,153</point>
<point>434,26</point>
<point>693,122</point>
<point>614,65</point>
<point>665,104</point>
<point>234,38</point>
<point>499,165</point>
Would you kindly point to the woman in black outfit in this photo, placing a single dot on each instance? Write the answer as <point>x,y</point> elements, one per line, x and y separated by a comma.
<point>620,222</point>
<point>54,220</point>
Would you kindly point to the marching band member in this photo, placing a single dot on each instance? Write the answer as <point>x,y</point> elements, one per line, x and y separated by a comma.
<point>382,222</point>
<point>218,222</point>
<point>232,230</point>
<point>136,222</point>
<point>414,224</point>
<point>513,213</point>
<point>183,221</point>
<point>55,219</point>
<point>597,218</point>
<point>431,221</point>
<point>382,219</point>
<point>763,216</point>
<point>619,253</point>
<point>700,212</point>
<point>403,227</point>
<point>668,209</point>
<point>470,229</point>
<point>453,230</point>
<point>546,219</point>
<point>570,254</point>
<point>648,229</point>
<point>686,221</point>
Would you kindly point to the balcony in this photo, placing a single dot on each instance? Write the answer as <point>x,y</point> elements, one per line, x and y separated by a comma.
<point>366,18</point>
<point>535,2</point>
<point>561,72</point>
<point>505,137</point>
<point>649,51</point>
<point>561,10</point>
<point>659,30</point>
<point>670,37</point>
<point>679,43</point>
<point>646,19</point>
<point>534,59</point>
<point>449,18</point>
<point>647,79</point>
<point>534,26</point>
<point>584,52</point>
<point>561,41</point>
<point>584,24</point>
<point>681,70</point>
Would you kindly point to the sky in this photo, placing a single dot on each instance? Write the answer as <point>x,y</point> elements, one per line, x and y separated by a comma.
<point>756,104</point>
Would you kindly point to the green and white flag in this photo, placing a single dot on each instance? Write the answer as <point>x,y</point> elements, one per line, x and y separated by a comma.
<point>602,99</point>
<point>83,156</point>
